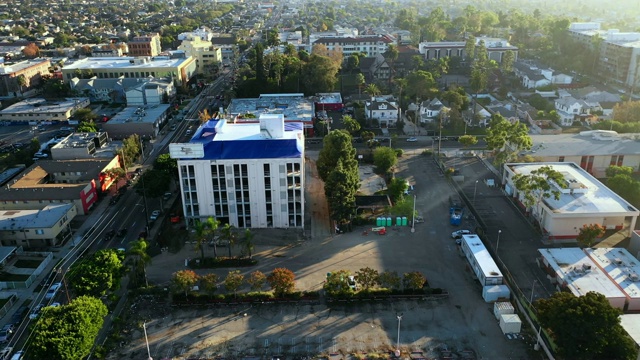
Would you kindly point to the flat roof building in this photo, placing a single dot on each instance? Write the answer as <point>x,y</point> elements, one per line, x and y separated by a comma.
<point>295,108</point>
<point>622,269</point>
<point>179,69</point>
<point>31,70</point>
<point>80,146</point>
<point>593,150</point>
<point>250,175</point>
<point>41,110</point>
<point>144,121</point>
<point>572,269</point>
<point>583,200</point>
<point>36,227</point>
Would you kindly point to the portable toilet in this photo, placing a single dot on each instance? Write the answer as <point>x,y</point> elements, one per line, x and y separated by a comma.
<point>398,221</point>
<point>379,221</point>
<point>389,221</point>
<point>404,221</point>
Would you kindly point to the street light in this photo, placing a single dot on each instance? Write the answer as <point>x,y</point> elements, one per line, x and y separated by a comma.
<point>475,188</point>
<point>146,340</point>
<point>413,220</point>
<point>498,242</point>
<point>399,319</point>
<point>533,286</point>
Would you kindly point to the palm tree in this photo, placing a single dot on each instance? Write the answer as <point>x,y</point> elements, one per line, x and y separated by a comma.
<point>228,233</point>
<point>372,89</point>
<point>138,249</point>
<point>205,230</point>
<point>247,242</point>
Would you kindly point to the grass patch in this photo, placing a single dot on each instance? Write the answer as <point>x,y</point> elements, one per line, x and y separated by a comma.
<point>5,276</point>
<point>27,263</point>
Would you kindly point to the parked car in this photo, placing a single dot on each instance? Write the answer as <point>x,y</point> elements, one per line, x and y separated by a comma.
<point>53,290</point>
<point>167,196</point>
<point>412,139</point>
<point>6,332</point>
<point>5,353</point>
<point>18,355</point>
<point>40,155</point>
<point>458,233</point>
<point>351,281</point>
<point>154,215</point>
<point>173,127</point>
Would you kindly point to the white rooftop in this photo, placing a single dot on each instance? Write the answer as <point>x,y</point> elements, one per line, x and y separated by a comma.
<point>145,114</point>
<point>579,273</point>
<point>585,195</point>
<point>123,62</point>
<point>587,143</point>
<point>482,256</point>
<point>30,219</point>
<point>631,324</point>
<point>42,106</point>
<point>621,267</point>
<point>248,131</point>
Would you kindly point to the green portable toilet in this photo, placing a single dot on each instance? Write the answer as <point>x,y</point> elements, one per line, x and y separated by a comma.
<point>404,221</point>
<point>398,221</point>
<point>389,221</point>
<point>378,222</point>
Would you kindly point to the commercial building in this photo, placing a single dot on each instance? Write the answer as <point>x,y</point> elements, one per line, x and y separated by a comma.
<point>328,102</point>
<point>44,111</point>
<point>80,146</point>
<point>48,226</point>
<point>593,150</point>
<point>572,269</point>
<point>207,55</point>
<point>144,121</point>
<point>179,69</point>
<point>371,45</point>
<point>295,108</point>
<point>145,45</point>
<point>583,200</point>
<point>31,70</point>
<point>250,175</point>
<point>496,48</point>
<point>622,269</point>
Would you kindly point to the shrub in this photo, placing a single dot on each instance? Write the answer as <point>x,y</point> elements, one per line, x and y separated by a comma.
<point>427,153</point>
<point>213,263</point>
<point>399,152</point>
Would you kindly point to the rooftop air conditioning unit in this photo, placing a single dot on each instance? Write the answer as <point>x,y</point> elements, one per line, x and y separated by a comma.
<point>618,262</point>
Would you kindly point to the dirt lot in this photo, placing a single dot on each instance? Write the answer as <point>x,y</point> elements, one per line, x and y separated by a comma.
<point>461,322</point>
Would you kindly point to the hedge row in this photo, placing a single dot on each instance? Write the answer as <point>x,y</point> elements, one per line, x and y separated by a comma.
<point>365,294</point>
<point>221,262</point>
<point>199,298</point>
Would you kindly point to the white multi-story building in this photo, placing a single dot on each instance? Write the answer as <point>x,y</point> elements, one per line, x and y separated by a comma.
<point>371,45</point>
<point>250,175</point>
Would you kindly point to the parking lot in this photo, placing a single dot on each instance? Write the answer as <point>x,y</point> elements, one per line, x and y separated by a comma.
<point>462,322</point>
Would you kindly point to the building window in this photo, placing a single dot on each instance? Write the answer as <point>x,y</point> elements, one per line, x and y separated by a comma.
<point>560,158</point>
<point>39,232</point>
<point>616,160</point>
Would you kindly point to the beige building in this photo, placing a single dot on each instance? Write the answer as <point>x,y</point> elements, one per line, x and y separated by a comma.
<point>179,69</point>
<point>32,70</point>
<point>48,226</point>
<point>41,110</point>
<point>145,45</point>
<point>204,52</point>
<point>594,151</point>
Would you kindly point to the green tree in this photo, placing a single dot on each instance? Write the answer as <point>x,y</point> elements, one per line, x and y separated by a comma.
<point>337,145</point>
<point>360,81</point>
<point>247,243</point>
<point>228,234</point>
<point>153,183</point>
<point>87,126</point>
<point>341,188</point>
<point>205,230</point>
<point>413,280</point>
<point>319,74</point>
<point>85,115</point>
<point>585,327</point>
<point>256,280</point>
<point>507,61</point>
<point>421,85</point>
<point>372,90</point>
<point>507,140</point>
<point>22,81</point>
<point>336,284</point>
<point>184,280</point>
<point>282,281</point>
<point>625,186</point>
<point>468,140</point>
<point>389,280</point>
<point>131,148</point>
<point>396,189</point>
<point>384,158</point>
<point>589,233</point>
<point>165,163</point>
<point>538,184</point>
<point>614,170</point>
<point>97,274</point>
<point>67,332</point>
<point>367,277</point>
<point>470,48</point>
<point>350,124</point>
<point>138,250</point>
<point>233,281</point>
<point>209,283</point>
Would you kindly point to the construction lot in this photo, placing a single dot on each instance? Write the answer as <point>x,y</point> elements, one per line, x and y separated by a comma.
<point>459,326</point>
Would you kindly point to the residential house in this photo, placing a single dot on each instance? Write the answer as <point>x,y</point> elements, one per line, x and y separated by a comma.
<point>533,77</point>
<point>151,92</point>
<point>430,110</point>
<point>480,117</point>
<point>386,113</point>
<point>106,90</point>
<point>47,226</point>
<point>570,109</point>
<point>375,69</point>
